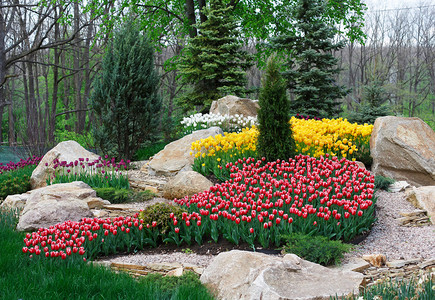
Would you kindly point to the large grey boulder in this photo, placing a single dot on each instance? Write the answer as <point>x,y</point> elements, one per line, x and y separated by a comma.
<point>250,275</point>
<point>424,198</point>
<point>58,203</point>
<point>232,105</point>
<point>186,183</point>
<point>403,149</point>
<point>176,155</point>
<point>68,151</point>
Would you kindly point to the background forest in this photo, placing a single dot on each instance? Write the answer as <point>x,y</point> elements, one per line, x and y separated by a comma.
<point>51,53</point>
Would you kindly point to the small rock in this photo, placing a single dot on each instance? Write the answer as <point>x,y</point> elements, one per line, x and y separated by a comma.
<point>426,263</point>
<point>176,272</point>
<point>377,260</point>
<point>399,186</point>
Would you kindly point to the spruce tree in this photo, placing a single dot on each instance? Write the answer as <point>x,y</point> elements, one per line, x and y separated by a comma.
<point>311,67</point>
<point>275,140</point>
<point>373,105</point>
<point>124,100</point>
<point>214,61</point>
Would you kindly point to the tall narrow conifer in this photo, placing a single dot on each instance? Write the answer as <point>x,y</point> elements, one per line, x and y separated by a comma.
<point>275,140</point>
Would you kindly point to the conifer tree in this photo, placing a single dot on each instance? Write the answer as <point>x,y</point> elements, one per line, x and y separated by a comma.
<point>311,67</point>
<point>275,140</point>
<point>124,100</point>
<point>213,61</point>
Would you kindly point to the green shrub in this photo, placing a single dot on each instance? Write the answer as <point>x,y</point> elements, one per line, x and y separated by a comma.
<point>142,196</point>
<point>317,249</point>
<point>148,150</point>
<point>113,195</point>
<point>116,196</point>
<point>160,213</point>
<point>15,182</point>
<point>383,183</point>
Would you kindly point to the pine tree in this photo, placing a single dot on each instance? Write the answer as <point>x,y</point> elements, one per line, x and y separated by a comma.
<point>311,68</point>
<point>275,140</point>
<point>213,60</point>
<point>124,100</point>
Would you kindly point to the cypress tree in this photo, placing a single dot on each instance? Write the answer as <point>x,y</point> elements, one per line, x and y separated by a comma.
<point>213,60</point>
<point>124,100</point>
<point>311,68</point>
<point>275,140</point>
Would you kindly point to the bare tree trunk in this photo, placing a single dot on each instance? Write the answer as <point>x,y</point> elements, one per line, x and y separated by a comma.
<point>77,72</point>
<point>190,12</point>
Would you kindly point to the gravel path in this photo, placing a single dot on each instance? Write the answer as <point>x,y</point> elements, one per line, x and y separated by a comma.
<point>386,237</point>
<point>396,242</point>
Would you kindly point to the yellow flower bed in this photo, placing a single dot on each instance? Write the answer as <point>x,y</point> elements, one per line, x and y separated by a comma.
<point>243,141</point>
<point>315,138</point>
<point>337,137</point>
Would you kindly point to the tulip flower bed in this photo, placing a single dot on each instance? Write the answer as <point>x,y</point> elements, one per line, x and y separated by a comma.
<point>260,203</point>
<point>315,138</point>
<point>214,152</point>
<point>99,173</point>
<point>22,164</point>
<point>91,237</point>
<point>228,123</point>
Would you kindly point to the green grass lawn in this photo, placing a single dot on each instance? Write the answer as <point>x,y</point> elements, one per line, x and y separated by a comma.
<point>22,278</point>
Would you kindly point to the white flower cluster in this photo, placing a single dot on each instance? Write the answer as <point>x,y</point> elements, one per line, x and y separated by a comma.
<point>228,123</point>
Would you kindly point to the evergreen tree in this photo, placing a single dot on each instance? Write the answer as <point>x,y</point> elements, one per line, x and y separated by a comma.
<point>373,105</point>
<point>311,67</point>
<point>213,60</point>
<point>275,140</point>
<point>124,99</point>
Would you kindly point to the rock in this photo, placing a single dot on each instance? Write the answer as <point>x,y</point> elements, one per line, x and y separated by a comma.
<point>403,149</point>
<point>68,151</point>
<point>96,202</point>
<point>15,202</point>
<point>356,265</point>
<point>19,201</point>
<point>56,203</point>
<point>185,184</point>
<point>361,165</point>
<point>401,263</point>
<point>398,186</point>
<point>177,272</point>
<point>427,263</point>
<point>377,260</point>
<point>176,155</point>
<point>232,105</point>
<point>250,275</point>
<point>423,198</point>
<point>414,213</point>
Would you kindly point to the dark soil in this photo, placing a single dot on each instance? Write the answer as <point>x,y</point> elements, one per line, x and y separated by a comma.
<point>207,248</point>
